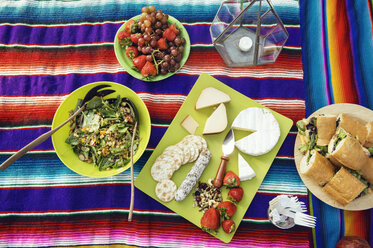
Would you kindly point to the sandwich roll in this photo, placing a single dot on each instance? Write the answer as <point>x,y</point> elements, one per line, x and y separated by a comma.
<point>347,150</point>
<point>326,127</point>
<point>369,139</point>
<point>367,171</point>
<point>318,168</point>
<point>333,160</point>
<point>352,126</point>
<point>344,187</point>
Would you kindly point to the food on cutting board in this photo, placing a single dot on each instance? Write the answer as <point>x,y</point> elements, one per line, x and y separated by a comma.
<point>228,226</point>
<point>193,175</point>
<point>317,167</point>
<point>344,187</point>
<point>154,44</point>
<point>206,196</point>
<point>343,158</point>
<point>235,194</point>
<point>227,209</point>
<point>217,122</point>
<point>265,128</point>
<point>210,221</point>
<point>211,96</point>
<point>191,148</point>
<point>231,180</point>
<point>102,133</point>
<point>165,190</point>
<point>189,124</point>
<point>245,172</point>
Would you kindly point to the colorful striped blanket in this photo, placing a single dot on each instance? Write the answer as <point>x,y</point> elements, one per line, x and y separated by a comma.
<point>51,48</point>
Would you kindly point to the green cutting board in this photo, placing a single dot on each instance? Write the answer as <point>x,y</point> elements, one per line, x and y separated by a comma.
<point>176,132</point>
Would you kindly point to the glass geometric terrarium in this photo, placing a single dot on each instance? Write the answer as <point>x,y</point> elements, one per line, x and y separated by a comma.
<point>248,32</point>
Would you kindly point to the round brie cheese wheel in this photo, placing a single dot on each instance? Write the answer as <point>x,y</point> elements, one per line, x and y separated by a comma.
<point>265,128</point>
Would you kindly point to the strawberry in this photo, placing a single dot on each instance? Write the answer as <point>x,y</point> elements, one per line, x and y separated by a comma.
<point>210,220</point>
<point>235,194</point>
<point>174,29</point>
<point>228,226</point>
<point>169,34</point>
<point>135,37</point>
<point>130,26</point>
<point>149,70</point>
<point>139,61</point>
<point>227,209</point>
<point>231,180</point>
<point>162,45</point>
<point>132,52</point>
<point>124,38</point>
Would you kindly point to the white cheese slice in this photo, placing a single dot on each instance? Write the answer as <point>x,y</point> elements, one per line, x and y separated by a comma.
<point>245,172</point>
<point>211,96</point>
<point>217,122</point>
<point>265,128</point>
<point>189,124</point>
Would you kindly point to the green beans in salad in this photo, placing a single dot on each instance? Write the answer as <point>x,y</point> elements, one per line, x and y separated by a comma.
<point>102,133</point>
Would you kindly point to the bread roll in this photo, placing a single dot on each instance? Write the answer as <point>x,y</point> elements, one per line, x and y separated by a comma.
<point>318,168</point>
<point>352,126</point>
<point>326,126</point>
<point>344,187</point>
<point>369,139</point>
<point>348,152</point>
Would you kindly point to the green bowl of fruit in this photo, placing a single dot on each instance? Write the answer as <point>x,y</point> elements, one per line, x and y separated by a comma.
<point>152,46</point>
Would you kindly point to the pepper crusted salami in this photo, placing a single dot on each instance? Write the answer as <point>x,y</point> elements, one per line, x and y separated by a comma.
<point>193,175</point>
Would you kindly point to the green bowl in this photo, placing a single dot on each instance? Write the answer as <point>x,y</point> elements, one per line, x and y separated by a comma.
<point>65,152</point>
<point>127,64</point>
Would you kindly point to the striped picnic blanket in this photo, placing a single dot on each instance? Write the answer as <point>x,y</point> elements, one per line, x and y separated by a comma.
<point>337,53</point>
<point>51,48</point>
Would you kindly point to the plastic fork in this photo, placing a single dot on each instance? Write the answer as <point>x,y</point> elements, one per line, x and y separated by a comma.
<point>90,94</point>
<point>301,219</point>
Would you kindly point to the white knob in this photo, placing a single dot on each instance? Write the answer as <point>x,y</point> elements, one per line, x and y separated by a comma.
<point>245,44</point>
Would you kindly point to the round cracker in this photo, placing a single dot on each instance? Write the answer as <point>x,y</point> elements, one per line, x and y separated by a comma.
<point>194,151</point>
<point>186,151</point>
<point>171,159</point>
<point>161,170</point>
<point>165,190</point>
<point>176,153</point>
<point>196,141</point>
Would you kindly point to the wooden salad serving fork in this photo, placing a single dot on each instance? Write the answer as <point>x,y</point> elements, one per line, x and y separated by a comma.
<point>90,94</point>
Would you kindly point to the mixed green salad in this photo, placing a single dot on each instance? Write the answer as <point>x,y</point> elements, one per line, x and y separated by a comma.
<point>102,133</point>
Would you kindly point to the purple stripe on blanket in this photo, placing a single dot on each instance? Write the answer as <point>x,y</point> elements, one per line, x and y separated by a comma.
<point>177,84</point>
<point>99,197</point>
<point>97,33</point>
<point>24,136</point>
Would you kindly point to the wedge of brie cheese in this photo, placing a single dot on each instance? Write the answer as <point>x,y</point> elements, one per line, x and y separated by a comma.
<point>245,172</point>
<point>265,128</point>
<point>211,97</point>
<point>217,122</point>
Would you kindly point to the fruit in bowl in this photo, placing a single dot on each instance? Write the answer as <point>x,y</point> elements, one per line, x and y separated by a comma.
<point>152,46</point>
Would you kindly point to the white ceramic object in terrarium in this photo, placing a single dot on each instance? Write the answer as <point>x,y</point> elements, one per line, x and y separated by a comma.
<point>248,32</point>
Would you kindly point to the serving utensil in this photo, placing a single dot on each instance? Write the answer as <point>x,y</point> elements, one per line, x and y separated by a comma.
<point>132,200</point>
<point>228,148</point>
<point>89,96</point>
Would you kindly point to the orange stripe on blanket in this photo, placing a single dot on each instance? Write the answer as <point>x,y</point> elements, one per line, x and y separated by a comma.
<point>342,74</point>
<point>357,223</point>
